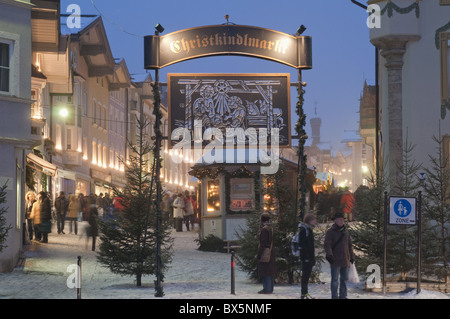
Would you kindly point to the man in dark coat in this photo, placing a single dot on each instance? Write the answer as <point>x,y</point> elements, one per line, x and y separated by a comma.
<point>61,207</point>
<point>307,251</point>
<point>266,269</point>
<point>339,253</point>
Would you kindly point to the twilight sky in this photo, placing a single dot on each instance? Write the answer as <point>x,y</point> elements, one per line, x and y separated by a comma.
<point>343,57</point>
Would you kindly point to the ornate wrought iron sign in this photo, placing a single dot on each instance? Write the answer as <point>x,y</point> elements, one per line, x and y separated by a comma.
<point>161,51</point>
<point>258,102</point>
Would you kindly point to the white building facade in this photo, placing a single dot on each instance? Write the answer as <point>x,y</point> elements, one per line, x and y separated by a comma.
<point>413,41</point>
<point>15,134</point>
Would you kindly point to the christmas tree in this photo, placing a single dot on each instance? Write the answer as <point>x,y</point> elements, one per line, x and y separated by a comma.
<point>128,238</point>
<point>436,215</point>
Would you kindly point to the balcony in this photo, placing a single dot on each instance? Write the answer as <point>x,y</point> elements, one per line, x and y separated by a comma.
<point>72,158</point>
<point>396,20</point>
<point>37,131</point>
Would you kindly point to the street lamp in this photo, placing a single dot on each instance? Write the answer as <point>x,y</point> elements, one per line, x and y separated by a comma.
<point>159,28</point>
<point>300,30</point>
<point>63,112</point>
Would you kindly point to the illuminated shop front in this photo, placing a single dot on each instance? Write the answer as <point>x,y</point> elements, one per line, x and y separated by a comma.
<point>228,194</point>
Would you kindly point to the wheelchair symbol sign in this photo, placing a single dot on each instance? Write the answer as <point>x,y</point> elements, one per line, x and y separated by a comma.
<point>402,210</point>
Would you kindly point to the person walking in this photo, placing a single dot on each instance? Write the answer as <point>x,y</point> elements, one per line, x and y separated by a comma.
<point>188,211</point>
<point>178,212</point>
<point>92,230</point>
<point>266,255</point>
<point>83,204</point>
<point>339,253</point>
<point>307,252</point>
<point>99,204</point>
<point>30,200</point>
<point>73,211</point>
<point>41,214</point>
<point>171,209</point>
<point>61,207</point>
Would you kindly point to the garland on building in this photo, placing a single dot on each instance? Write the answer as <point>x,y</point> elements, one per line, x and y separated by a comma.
<point>241,172</point>
<point>438,34</point>
<point>390,7</point>
<point>301,133</point>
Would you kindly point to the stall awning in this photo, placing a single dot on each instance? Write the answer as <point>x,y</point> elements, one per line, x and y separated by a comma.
<point>41,164</point>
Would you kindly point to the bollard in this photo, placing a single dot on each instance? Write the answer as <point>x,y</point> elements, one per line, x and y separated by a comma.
<point>232,273</point>
<point>79,278</point>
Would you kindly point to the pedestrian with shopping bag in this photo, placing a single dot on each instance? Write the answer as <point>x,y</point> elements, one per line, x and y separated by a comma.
<point>339,253</point>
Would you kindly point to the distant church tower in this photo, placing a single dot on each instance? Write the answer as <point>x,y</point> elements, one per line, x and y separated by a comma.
<point>315,122</point>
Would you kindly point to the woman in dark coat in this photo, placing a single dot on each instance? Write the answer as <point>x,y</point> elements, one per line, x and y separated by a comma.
<point>44,226</point>
<point>266,270</point>
<point>93,226</point>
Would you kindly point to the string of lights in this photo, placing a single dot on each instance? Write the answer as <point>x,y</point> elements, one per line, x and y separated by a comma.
<point>114,23</point>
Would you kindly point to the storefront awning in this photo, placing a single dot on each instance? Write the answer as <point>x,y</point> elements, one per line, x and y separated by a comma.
<point>41,164</point>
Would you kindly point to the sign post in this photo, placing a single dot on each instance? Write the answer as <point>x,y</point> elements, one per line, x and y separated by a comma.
<point>419,241</point>
<point>403,210</point>
<point>183,45</point>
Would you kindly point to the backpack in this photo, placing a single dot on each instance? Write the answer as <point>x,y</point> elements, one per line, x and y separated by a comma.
<point>295,243</point>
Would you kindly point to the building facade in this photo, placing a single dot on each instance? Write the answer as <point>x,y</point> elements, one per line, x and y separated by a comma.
<point>413,42</point>
<point>15,134</point>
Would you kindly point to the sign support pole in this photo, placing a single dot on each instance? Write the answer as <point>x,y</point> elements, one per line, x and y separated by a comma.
<point>385,222</point>
<point>301,172</point>
<point>419,241</point>
<point>158,139</point>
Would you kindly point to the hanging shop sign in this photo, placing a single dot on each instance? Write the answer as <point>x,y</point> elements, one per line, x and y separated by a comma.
<point>249,106</point>
<point>178,46</point>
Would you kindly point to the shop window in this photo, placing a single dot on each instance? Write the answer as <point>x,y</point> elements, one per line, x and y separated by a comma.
<point>213,198</point>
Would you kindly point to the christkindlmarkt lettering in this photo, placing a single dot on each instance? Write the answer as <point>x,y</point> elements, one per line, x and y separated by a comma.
<point>217,39</point>
<point>178,46</point>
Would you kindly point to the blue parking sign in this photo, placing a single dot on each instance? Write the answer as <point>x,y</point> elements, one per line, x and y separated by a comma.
<point>402,210</point>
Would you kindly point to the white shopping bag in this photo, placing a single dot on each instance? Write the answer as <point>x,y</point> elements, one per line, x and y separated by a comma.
<point>353,274</point>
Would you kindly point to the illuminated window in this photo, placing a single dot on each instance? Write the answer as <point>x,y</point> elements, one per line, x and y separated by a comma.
<point>58,139</point>
<point>213,198</point>
<point>94,152</point>
<point>444,2</point>
<point>85,148</point>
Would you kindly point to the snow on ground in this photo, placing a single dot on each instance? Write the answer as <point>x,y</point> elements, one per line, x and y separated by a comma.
<point>193,274</point>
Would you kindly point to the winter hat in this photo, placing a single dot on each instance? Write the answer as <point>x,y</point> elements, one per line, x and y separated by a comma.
<point>338,215</point>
